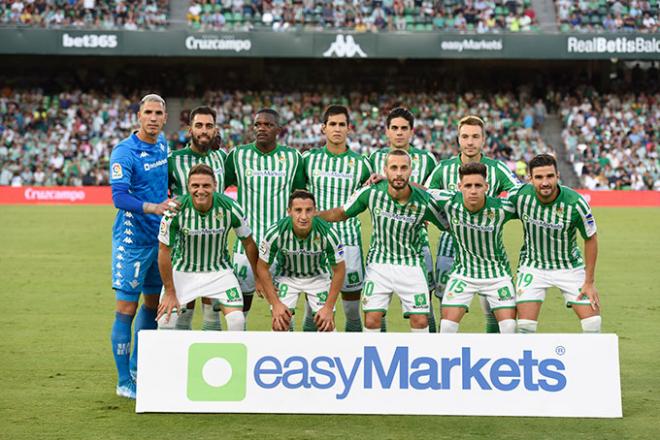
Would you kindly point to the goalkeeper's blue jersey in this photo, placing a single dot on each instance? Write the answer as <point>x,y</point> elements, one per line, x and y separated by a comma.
<point>143,167</point>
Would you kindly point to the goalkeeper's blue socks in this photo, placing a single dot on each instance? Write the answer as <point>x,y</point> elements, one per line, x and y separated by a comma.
<point>121,345</point>
<point>145,320</point>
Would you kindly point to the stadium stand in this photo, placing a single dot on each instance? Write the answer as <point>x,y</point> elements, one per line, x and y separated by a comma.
<point>612,139</point>
<point>364,15</point>
<point>608,15</point>
<point>83,14</point>
<point>65,138</point>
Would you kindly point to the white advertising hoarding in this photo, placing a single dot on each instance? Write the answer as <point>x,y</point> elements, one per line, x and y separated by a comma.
<point>546,375</point>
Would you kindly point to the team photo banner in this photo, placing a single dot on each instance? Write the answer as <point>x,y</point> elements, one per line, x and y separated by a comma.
<point>544,375</point>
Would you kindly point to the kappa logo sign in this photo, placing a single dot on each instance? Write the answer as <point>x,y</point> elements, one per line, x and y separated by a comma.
<point>344,47</point>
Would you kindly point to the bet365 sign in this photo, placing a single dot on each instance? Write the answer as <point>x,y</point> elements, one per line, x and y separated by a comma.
<point>563,375</point>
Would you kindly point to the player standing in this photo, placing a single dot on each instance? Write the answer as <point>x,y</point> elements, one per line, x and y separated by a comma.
<point>399,127</point>
<point>203,131</point>
<point>471,140</point>
<point>395,262</point>
<point>310,261</point>
<point>476,222</point>
<point>138,176</point>
<point>265,174</point>
<point>193,257</point>
<point>333,173</point>
<point>552,215</point>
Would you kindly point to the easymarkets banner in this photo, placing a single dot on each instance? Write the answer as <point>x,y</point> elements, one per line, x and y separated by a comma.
<point>545,375</point>
<point>386,45</point>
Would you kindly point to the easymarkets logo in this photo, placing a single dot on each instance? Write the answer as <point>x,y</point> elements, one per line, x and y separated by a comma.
<point>217,372</point>
<point>220,371</point>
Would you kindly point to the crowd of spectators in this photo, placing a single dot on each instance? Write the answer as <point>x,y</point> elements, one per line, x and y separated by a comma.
<point>61,139</point>
<point>83,14</point>
<point>66,139</point>
<point>364,15</point>
<point>608,15</point>
<point>612,139</point>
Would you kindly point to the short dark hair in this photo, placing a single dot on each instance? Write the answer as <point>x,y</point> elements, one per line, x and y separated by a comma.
<point>397,152</point>
<point>471,168</point>
<point>333,110</point>
<point>201,110</point>
<point>541,160</point>
<point>269,111</point>
<point>301,194</point>
<point>201,168</point>
<point>400,112</point>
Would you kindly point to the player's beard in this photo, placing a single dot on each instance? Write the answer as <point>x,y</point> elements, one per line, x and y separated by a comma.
<point>201,146</point>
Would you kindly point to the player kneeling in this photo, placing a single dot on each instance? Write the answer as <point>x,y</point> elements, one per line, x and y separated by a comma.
<point>193,258</point>
<point>481,266</point>
<point>310,261</point>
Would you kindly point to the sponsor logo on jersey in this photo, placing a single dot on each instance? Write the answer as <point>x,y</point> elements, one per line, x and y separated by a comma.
<point>128,223</point>
<point>344,47</point>
<point>119,266</point>
<point>117,172</point>
<point>249,172</point>
<point>151,165</point>
<point>134,283</point>
<point>452,187</point>
<point>205,231</point>
<point>543,224</point>
<point>120,258</point>
<point>121,249</point>
<point>264,248</point>
<point>304,252</point>
<point>491,215</point>
<point>219,216</point>
<point>128,232</point>
<point>128,215</point>
<point>559,211</point>
<point>127,240</point>
<point>333,174</point>
<point>144,154</point>
<point>396,217</point>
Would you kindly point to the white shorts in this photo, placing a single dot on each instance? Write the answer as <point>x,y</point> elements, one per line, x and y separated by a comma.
<point>460,290</point>
<point>442,271</point>
<point>315,289</point>
<point>532,284</point>
<point>408,282</point>
<point>243,272</point>
<point>354,269</point>
<point>221,285</point>
<point>428,265</point>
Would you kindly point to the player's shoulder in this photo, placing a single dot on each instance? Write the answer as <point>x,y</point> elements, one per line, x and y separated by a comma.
<point>314,152</point>
<point>321,225</point>
<point>281,148</point>
<point>526,189</point>
<point>379,153</point>
<point>225,201</point>
<point>571,196</point>
<point>179,153</point>
<point>447,162</point>
<point>185,202</point>
<point>126,145</point>
<point>495,163</point>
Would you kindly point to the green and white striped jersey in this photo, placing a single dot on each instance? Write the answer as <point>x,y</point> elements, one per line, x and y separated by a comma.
<point>445,176</point>
<point>264,183</point>
<point>550,230</point>
<point>180,162</point>
<point>200,239</point>
<point>396,229</point>
<point>423,163</point>
<point>333,178</point>
<point>478,247</point>
<point>307,257</point>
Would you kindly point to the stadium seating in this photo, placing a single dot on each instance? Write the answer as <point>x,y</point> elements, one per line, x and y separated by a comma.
<point>364,15</point>
<point>612,139</point>
<point>98,14</point>
<point>65,139</point>
<point>608,15</point>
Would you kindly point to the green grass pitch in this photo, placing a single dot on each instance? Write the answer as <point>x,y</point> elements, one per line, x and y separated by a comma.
<point>58,373</point>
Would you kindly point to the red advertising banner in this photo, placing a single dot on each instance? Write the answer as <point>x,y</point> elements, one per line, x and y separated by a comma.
<point>101,195</point>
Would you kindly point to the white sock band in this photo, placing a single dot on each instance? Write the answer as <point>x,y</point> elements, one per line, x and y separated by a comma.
<point>591,324</point>
<point>419,330</point>
<point>372,330</point>
<point>507,326</point>
<point>235,321</point>
<point>447,326</point>
<point>527,326</point>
